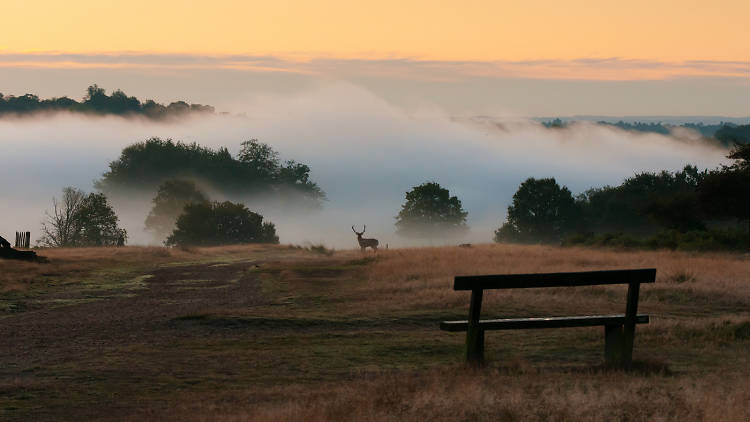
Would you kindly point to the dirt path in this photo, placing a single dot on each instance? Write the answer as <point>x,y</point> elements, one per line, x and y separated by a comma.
<point>133,314</point>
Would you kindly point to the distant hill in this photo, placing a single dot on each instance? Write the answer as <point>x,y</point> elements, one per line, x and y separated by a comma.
<point>665,119</point>
<point>96,101</point>
<point>725,132</point>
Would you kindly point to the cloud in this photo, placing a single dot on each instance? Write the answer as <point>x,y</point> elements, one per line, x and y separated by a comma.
<point>584,68</point>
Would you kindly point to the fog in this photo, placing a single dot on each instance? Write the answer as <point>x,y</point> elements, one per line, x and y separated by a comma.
<point>364,153</point>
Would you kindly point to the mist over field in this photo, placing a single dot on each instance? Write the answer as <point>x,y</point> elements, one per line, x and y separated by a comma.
<point>363,152</point>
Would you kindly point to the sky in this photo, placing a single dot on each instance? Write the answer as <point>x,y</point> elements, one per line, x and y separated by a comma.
<point>470,57</point>
<point>377,97</point>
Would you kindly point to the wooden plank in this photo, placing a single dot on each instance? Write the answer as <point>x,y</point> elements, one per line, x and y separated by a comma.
<point>553,322</point>
<point>474,334</point>
<point>586,278</point>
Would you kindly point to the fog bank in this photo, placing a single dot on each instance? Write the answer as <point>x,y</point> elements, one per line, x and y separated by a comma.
<point>364,153</point>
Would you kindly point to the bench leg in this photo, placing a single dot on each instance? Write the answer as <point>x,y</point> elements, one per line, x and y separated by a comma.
<point>631,310</point>
<point>475,346</point>
<point>613,339</point>
<point>474,334</point>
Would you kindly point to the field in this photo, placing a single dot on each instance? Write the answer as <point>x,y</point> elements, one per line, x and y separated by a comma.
<point>287,334</point>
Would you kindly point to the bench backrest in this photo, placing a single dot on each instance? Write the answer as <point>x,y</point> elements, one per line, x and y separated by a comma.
<point>584,278</point>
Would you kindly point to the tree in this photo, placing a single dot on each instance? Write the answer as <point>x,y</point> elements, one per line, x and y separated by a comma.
<point>430,211</point>
<point>541,211</point>
<point>62,226</point>
<point>257,170</point>
<point>733,135</point>
<point>81,220</point>
<point>99,223</point>
<point>169,202</point>
<point>645,203</point>
<point>725,192</point>
<point>220,223</point>
<point>261,157</point>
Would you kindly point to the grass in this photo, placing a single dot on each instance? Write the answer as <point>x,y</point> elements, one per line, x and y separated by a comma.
<point>289,333</point>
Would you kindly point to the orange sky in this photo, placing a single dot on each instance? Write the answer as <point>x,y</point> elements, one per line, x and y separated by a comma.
<point>667,30</point>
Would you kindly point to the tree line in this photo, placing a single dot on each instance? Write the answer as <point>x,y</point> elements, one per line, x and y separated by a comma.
<point>96,101</point>
<point>688,209</point>
<point>725,133</point>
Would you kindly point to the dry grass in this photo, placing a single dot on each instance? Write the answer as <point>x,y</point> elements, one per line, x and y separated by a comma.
<point>354,337</point>
<point>422,278</point>
<point>497,395</point>
<point>71,264</point>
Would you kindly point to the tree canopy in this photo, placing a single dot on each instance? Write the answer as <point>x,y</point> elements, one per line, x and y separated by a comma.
<point>96,101</point>
<point>220,223</point>
<point>644,203</point>
<point>430,211</point>
<point>725,192</point>
<point>258,170</point>
<point>541,211</point>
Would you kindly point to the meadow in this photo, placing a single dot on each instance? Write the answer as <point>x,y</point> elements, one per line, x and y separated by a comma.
<point>285,333</point>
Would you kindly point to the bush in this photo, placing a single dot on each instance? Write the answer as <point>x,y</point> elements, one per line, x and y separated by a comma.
<point>220,223</point>
<point>696,240</point>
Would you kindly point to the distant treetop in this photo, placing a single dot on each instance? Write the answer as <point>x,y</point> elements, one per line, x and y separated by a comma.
<point>96,101</point>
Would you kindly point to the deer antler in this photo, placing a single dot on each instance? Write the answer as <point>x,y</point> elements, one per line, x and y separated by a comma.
<point>355,232</point>
<point>364,228</point>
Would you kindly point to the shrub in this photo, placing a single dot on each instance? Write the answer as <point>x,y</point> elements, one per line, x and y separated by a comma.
<point>220,223</point>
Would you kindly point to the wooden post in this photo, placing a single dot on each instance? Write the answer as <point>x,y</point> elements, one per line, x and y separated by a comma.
<point>613,344</point>
<point>474,334</point>
<point>631,309</point>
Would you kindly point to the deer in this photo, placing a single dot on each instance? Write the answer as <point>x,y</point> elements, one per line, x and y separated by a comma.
<point>365,243</point>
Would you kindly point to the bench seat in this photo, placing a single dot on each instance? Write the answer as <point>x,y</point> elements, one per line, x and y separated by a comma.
<point>552,322</point>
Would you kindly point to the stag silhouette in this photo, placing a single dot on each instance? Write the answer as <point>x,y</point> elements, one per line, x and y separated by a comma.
<point>365,243</point>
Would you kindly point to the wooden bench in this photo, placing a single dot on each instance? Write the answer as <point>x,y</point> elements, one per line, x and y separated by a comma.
<point>619,330</point>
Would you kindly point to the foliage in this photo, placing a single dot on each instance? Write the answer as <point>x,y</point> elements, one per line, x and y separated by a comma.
<point>725,192</point>
<point>693,240</point>
<point>725,133</point>
<point>430,211</point>
<point>730,135</point>
<point>541,211</point>
<point>257,171</point>
<point>97,101</point>
<point>687,209</point>
<point>169,203</point>
<point>220,223</point>
<point>659,128</point>
<point>81,220</point>
<point>644,203</point>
